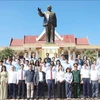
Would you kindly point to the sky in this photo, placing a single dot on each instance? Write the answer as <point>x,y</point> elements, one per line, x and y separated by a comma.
<point>20,17</point>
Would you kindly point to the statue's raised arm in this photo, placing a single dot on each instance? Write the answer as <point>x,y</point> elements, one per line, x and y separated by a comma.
<point>40,12</point>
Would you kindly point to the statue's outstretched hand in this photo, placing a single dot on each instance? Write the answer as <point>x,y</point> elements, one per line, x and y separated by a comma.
<point>39,9</point>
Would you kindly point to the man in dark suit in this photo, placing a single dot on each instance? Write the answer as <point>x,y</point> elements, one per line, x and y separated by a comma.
<point>80,61</point>
<point>39,81</point>
<point>50,22</point>
<point>48,58</point>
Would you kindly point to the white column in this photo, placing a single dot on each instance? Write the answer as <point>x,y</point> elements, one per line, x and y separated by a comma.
<point>62,52</point>
<point>37,54</point>
<point>29,53</point>
<point>82,54</point>
<point>69,54</point>
<point>74,56</point>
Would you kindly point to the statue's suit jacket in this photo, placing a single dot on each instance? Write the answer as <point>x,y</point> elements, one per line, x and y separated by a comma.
<point>49,18</point>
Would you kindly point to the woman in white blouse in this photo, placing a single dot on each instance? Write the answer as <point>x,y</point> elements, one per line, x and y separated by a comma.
<point>60,83</point>
<point>68,83</point>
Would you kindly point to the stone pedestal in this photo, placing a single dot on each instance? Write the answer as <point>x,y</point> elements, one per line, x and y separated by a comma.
<point>51,49</point>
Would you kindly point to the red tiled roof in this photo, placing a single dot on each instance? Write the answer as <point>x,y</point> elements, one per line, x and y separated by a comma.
<point>29,39</point>
<point>16,42</point>
<point>68,38</point>
<point>81,41</point>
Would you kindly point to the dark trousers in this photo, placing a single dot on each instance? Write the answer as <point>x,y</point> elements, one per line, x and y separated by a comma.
<point>61,90</point>
<point>40,89</point>
<point>76,87</point>
<point>86,87</point>
<point>50,33</point>
<point>51,86</point>
<point>21,88</point>
<point>12,90</point>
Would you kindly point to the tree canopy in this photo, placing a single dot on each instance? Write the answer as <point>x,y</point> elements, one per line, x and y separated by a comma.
<point>6,52</point>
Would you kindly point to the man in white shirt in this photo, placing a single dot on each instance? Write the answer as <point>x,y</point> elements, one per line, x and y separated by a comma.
<point>34,57</point>
<point>26,56</point>
<point>50,79</point>
<point>22,61</point>
<point>14,60</point>
<point>56,57</point>
<point>21,82</point>
<point>9,65</point>
<point>94,80</point>
<point>5,62</point>
<point>85,76</point>
<point>26,65</point>
<point>71,61</point>
<point>62,59</point>
<point>98,61</point>
<point>66,65</point>
<point>97,66</point>
<point>12,80</point>
<point>44,67</point>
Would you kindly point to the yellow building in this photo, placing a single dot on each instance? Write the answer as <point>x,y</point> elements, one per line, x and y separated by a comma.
<point>64,44</point>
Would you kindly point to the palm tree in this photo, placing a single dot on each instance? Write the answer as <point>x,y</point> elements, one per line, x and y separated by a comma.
<point>6,52</point>
<point>90,54</point>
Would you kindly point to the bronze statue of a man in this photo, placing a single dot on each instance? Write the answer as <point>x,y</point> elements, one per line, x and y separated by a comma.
<point>50,22</point>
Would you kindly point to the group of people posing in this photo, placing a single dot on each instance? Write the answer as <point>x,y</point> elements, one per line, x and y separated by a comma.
<point>63,77</point>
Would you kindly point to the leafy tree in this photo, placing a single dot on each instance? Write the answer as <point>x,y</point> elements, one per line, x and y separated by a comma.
<point>6,52</point>
<point>90,54</point>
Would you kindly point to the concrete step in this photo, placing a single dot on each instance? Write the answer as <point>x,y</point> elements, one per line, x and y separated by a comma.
<point>59,99</point>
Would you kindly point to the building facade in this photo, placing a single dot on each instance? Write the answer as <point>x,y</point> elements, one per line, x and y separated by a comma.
<point>64,44</point>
